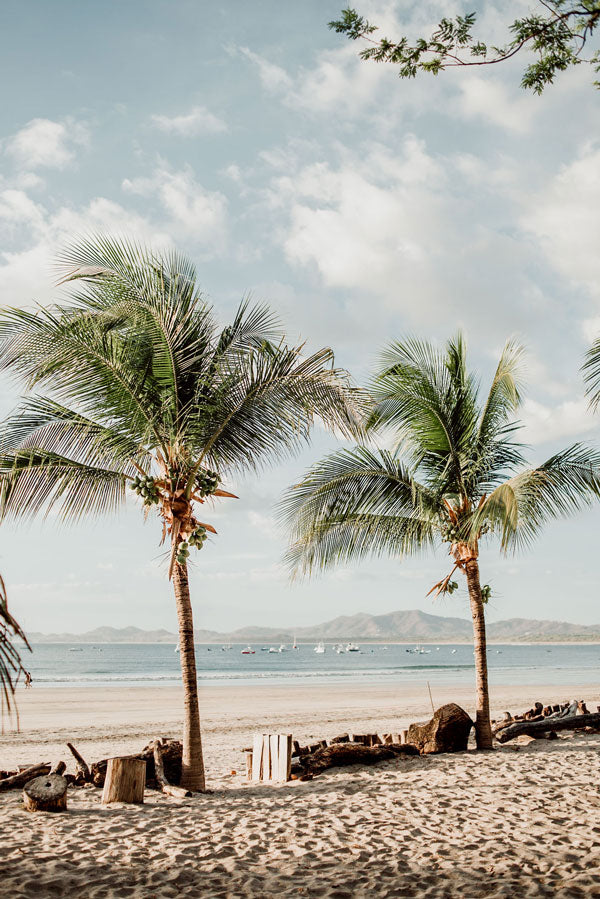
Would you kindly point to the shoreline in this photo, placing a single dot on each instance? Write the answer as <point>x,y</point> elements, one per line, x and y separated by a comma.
<point>595,641</point>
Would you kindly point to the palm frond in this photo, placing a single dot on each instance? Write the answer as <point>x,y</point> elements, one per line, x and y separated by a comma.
<point>11,665</point>
<point>353,503</point>
<point>563,485</point>
<point>591,373</point>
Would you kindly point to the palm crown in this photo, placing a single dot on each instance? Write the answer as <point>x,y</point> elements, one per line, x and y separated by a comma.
<point>454,473</point>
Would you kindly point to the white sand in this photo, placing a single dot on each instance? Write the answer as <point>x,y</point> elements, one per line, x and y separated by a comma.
<point>517,822</point>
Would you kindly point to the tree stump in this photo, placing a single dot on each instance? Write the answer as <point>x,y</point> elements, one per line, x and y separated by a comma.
<point>125,780</point>
<point>447,731</point>
<point>46,794</point>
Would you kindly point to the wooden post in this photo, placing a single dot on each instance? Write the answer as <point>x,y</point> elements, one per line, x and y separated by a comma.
<point>125,780</point>
<point>248,758</point>
<point>274,757</point>
<point>46,794</point>
<point>270,758</point>
<point>285,758</point>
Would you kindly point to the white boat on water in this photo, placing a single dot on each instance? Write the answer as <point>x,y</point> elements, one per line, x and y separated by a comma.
<point>339,649</point>
<point>295,646</point>
<point>273,649</point>
<point>282,648</point>
<point>320,648</point>
<point>248,651</point>
<point>352,647</point>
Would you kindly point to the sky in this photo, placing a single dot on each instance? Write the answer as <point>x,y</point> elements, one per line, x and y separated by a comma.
<point>360,207</point>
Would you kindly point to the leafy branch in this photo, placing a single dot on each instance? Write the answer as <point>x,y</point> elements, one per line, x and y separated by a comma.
<point>557,36</point>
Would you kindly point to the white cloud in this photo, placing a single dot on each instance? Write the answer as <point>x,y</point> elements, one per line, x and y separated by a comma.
<point>565,219</point>
<point>43,143</point>
<point>193,211</point>
<point>567,420</point>
<point>199,120</point>
<point>493,101</point>
<point>272,76</point>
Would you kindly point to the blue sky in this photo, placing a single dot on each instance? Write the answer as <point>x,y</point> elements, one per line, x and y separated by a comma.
<point>361,207</point>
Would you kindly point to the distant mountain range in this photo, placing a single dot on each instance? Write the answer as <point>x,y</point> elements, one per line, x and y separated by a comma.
<point>403,627</point>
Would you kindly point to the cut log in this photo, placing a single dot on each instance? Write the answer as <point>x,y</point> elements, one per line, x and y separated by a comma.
<point>573,722</point>
<point>125,780</point>
<point>20,779</point>
<point>171,751</point>
<point>447,731</point>
<point>341,754</point>
<point>82,766</point>
<point>46,794</point>
<point>159,774</point>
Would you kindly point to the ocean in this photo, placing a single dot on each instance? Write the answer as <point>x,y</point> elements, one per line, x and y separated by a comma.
<point>156,664</point>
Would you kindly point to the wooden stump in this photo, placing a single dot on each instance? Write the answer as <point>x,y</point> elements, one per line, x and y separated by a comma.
<point>46,794</point>
<point>125,780</point>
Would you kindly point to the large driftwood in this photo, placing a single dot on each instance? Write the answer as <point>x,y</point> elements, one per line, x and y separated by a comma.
<point>125,780</point>
<point>338,755</point>
<point>447,731</point>
<point>46,794</point>
<point>20,779</point>
<point>531,728</point>
<point>159,774</point>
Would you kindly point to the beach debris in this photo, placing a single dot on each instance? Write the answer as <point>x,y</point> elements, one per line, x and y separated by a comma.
<point>271,758</point>
<point>338,755</point>
<point>59,768</point>
<point>46,794</point>
<point>549,723</point>
<point>125,780</point>
<point>170,751</point>
<point>82,766</point>
<point>159,774</point>
<point>20,778</point>
<point>447,731</point>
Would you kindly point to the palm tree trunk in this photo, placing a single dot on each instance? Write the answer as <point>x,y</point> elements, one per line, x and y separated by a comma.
<point>483,727</point>
<point>192,767</point>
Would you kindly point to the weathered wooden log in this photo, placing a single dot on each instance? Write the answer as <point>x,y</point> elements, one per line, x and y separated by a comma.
<point>532,728</point>
<point>343,738</point>
<point>46,794</point>
<point>82,766</point>
<point>20,779</point>
<point>342,754</point>
<point>59,768</point>
<point>447,731</point>
<point>159,774</point>
<point>125,780</point>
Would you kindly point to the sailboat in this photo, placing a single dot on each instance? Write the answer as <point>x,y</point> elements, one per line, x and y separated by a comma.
<point>295,646</point>
<point>320,647</point>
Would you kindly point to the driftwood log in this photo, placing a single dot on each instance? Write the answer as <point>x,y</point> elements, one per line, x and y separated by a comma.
<point>125,780</point>
<point>159,774</point>
<point>543,725</point>
<point>447,731</point>
<point>338,755</point>
<point>21,778</point>
<point>46,794</point>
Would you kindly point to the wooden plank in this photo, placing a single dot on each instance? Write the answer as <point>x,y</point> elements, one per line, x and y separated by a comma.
<point>248,759</point>
<point>274,741</point>
<point>266,771</point>
<point>285,758</point>
<point>257,758</point>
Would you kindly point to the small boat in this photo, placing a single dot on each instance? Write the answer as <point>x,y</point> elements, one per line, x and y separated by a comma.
<point>272,649</point>
<point>248,651</point>
<point>320,648</point>
<point>453,650</point>
<point>295,646</point>
<point>282,648</point>
<point>75,649</point>
<point>352,647</point>
<point>339,649</point>
<point>176,648</point>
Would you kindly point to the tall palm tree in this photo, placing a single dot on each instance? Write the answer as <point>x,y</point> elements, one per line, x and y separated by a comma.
<point>133,384</point>
<point>454,475</point>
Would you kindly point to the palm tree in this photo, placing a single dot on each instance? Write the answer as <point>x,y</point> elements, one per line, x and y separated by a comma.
<point>454,475</point>
<point>142,389</point>
<point>11,665</point>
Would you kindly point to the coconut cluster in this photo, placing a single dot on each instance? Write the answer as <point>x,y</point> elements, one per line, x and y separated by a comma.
<point>146,488</point>
<point>195,539</point>
<point>206,482</point>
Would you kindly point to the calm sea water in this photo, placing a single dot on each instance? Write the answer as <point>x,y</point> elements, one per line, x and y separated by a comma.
<point>129,664</point>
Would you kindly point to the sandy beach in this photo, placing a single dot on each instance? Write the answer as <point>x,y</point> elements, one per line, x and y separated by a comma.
<point>523,820</point>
